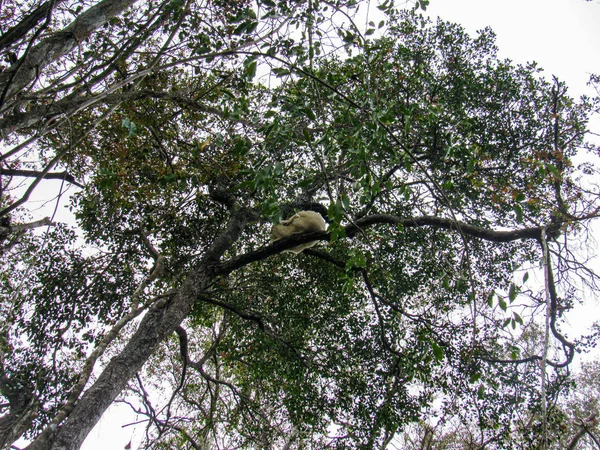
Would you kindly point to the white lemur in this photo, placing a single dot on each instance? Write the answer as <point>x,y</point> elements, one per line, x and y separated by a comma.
<point>299,223</point>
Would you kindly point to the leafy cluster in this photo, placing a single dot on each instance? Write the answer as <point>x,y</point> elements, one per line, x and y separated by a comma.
<point>445,176</point>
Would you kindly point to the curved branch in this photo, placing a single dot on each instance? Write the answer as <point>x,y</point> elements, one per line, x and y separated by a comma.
<point>378,219</point>
<point>446,224</point>
<point>584,427</point>
<point>568,347</point>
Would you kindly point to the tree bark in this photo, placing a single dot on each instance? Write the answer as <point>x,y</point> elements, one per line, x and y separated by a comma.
<point>47,176</point>
<point>154,328</point>
<point>28,23</point>
<point>160,321</point>
<point>52,48</point>
<point>164,317</point>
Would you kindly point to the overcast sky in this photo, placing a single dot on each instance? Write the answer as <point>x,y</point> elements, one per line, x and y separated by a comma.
<point>563,36</point>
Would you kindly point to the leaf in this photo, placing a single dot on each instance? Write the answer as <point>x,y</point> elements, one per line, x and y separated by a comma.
<point>251,70</point>
<point>130,125</point>
<point>280,71</point>
<point>278,169</point>
<point>490,299</point>
<point>518,318</point>
<point>502,303</point>
<point>519,212</point>
<point>471,166</point>
<point>345,201</point>
<point>513,354</point>
<point>474,377</point>
<point>438,352</point>
<point>512,292</point>
<point>241,147</point>
<point>553,169</point>
<point>481,392</point>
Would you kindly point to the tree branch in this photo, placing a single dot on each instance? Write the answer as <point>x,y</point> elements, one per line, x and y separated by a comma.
<point>6,230</point>
<point>380,219</point>
<point>27,23</point>
<point>58,44</point>
<point>160,321</point>
<point>584,427</point>
<point>66,176</point>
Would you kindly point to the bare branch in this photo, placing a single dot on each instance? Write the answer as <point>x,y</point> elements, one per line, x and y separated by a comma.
<point>66,176</point>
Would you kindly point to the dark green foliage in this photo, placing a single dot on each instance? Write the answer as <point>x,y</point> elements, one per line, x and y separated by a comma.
<point>397,318</point>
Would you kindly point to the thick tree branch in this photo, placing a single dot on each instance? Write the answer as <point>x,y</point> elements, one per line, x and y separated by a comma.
<point>447,224</point>
<point>380,219</point>
<point>585,426</point>
<point>17,228</point>
<point>70,105</point>
<point>160,321</point>
<point>55,46</point>
<point>26,24</point>
<point>48,176</point>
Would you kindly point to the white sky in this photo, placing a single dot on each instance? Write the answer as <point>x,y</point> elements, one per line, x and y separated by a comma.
<point>563,36</point>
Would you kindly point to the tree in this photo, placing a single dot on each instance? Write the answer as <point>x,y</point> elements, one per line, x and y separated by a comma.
<point>445,176</point>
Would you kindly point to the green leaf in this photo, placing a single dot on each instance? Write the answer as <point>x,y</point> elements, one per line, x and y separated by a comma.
<point>481,392</point>
<point>471,166</point>
<point>278,169</point>
<point>512,292</point>
<point>553,169</point>
<point>502,303</point>
<point>345,201</point>
<point>280,71</point>
<point>490,299</point>
<point>251,70</point>
<point>518,318</point>
<point>241,147</point>
<point>474,377</point>
<point>130,125</point>
<point>519,212</point>
<point>438,352</point>
<point>446,282</point>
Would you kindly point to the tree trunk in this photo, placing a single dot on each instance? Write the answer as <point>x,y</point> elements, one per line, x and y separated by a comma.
<point>158,323</point>
<point>51,49</point>
<point>155,327</point>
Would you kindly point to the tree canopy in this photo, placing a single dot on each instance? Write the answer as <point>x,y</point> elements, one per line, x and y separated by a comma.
<point>458,189</point>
